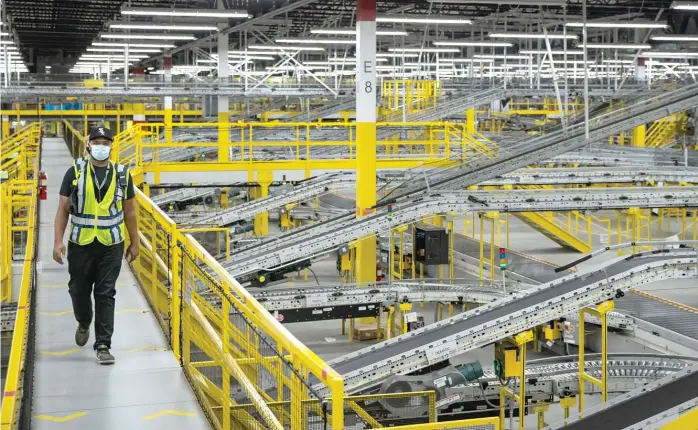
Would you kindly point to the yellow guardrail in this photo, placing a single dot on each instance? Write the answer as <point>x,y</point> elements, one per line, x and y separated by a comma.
<point>219,332</point>
<point>310,146</point>
<point>74,139</point>
<point>19,151</point>
<point>19,211</point>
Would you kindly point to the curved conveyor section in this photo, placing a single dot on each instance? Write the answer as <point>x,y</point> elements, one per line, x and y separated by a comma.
<point>522,311</point>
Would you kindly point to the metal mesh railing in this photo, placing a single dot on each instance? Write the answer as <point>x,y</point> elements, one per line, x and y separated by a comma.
<point>248,366</point>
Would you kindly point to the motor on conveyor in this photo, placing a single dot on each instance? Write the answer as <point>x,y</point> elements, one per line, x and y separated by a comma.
<point>448,383</point>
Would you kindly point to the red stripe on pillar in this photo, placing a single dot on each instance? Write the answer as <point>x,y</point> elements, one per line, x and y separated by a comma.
<point>166,63</point>
<point>365,10</point>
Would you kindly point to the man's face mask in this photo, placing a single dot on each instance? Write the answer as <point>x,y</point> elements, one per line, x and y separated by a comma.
<point>99,151</point>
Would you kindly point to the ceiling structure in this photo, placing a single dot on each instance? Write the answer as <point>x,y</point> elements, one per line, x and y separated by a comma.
<point>59,31</point>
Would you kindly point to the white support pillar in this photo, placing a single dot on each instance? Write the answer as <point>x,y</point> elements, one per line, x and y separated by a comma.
<point>365,132</point>
<point>126,66</point>
<point>223,101</point>
<point>586,70</point>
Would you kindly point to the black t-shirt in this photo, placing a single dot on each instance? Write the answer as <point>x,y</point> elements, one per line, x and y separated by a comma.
<point>99,172</point>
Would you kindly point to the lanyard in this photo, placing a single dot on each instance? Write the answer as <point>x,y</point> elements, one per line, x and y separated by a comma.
<point>104,180</point>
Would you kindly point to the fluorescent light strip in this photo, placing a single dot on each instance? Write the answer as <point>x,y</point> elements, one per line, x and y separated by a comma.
<point>676,38</point>
<point>197,13</point>
<point>684,5</point>
<point>502,56</point>
<point>422,19</point>
<point>618,24</point>
<point>135,45</point>
<point>318,41</point>
<point>531,36</point>
<point>148,36</point>
<point>392,55</point>
<point>544,52</point>
<point>468,43</point>
<point>423,50</point>
<point>351,32</point>
<point>664,54</point>
<point>168,27</point>
<point>286,48</point>
<point>616,46</point>
<point>117,49</point>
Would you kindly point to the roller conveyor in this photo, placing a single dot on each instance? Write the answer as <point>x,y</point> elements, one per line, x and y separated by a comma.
<point>503,318</point>
<point>286,299</point>
<point>307,242</point>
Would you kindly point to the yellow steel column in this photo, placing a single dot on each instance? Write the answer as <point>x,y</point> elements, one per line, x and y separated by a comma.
<point>366,133</point>
<point>637,137</point>
<point>261,221</point>
<point>167,67</point>
<point>470,121</point>
<point>5,126</point>
<point>223,101</point>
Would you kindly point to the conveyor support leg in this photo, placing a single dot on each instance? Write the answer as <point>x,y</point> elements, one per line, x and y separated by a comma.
<point>261,221</point>
<point>600,312</point>
<point>638,136</point>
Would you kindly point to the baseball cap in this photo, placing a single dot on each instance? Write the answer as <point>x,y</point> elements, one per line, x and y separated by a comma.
<point>96,132</point>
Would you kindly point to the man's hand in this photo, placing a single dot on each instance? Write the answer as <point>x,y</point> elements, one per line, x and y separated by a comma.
<point>132,252</point>
<point>58,252</point>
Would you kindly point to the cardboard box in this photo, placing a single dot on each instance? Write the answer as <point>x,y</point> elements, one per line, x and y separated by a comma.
<point>363,334</point>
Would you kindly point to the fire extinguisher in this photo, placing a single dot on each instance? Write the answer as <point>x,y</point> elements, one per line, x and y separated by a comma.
<point>42,185</point>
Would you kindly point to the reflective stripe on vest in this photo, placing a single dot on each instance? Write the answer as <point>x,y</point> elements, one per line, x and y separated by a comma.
<point>103,220</point>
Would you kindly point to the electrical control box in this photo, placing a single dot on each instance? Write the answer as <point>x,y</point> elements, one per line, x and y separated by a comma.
<point>507,355</point>
<point>431,245</point>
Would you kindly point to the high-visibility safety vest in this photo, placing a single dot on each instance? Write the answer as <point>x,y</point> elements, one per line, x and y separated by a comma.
<point>103,220</point>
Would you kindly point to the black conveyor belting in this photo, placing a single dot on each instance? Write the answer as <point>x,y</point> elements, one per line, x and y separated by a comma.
<point>637,409</point>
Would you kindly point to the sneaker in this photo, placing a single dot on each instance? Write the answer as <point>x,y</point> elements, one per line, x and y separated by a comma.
<point>82,335</point>
<point>103,355</point>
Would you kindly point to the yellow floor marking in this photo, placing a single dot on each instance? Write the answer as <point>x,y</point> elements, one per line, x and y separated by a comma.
<point>64,419</point>
<point>169,412</point>
<point>132,311</point>
<point>60,353</point>
<point>55,314</point>
<point>147,348</point>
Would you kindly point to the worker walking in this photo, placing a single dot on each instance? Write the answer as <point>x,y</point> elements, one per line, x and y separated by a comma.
<point>98,196</point>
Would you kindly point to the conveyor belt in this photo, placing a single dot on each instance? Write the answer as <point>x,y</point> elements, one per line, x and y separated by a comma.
<point>522,311</point>
<point>345,180</point>
<point>285,299</point>
<point>636,409</point>
<point>314,240</point>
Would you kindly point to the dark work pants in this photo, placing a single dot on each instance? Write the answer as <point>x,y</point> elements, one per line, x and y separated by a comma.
<point>94,265</point>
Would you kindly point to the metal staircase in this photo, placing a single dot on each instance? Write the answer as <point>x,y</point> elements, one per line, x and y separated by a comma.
<point>548,228</point>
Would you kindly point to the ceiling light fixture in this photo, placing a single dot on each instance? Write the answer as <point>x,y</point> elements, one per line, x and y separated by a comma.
<point>616,46</point>
<point>135,45</point>
<point>117,49</point>
<point>684,5</point>
<point>393,55</point>
<point>442,50</point>
<point>351,32</point>
<point>676,38</point>
<point>422,19</point>
<point>168,27</point>
<point>544,52</point>
<point>317,41</point>
<point>618,24</point>
<point>668,54</point>
<point>532,36</point>
<point>148,36</point>
<point>196,13</point>
<point>468,43</point>
<point>286,48</point>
